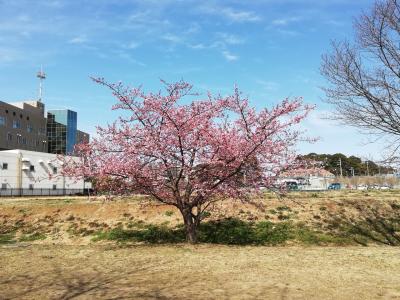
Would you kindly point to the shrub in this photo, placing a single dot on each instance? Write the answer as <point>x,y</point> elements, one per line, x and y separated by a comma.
<point>230,231</point>
<point>283,217</point>
<point>152,234</point>
<point>7,238</point>
<point>273,234</point>
<point>283,208</point>
<point>205,215</point>
<point>395,206</point>
<point>169,213</point>
<point>32,237</point>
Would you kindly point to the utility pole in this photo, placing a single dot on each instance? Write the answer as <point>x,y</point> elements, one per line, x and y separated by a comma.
<point>340,166</point>
<point>367,162</point>
<point>42,76</point>
<point>352,171</point>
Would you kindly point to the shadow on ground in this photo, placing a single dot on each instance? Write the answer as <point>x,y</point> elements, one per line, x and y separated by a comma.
<point>59,283</point>
<point>360,223</point>
<point>372,223</point>
<point>229,231</point>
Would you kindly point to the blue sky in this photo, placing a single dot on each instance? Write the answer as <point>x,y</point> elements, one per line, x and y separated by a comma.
<point>270,48</point>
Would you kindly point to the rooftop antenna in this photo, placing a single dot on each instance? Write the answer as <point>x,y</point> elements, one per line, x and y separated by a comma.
<point>42,76</point>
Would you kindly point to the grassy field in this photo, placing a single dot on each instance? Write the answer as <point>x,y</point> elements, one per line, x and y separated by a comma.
<point>302,246</point>
<point>198,272</point>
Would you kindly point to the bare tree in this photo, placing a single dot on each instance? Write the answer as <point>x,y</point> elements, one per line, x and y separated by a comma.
<point>364,76</point>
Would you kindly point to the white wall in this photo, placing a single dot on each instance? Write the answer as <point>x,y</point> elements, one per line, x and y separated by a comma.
<point>8,176</point>
<point>43,175</point>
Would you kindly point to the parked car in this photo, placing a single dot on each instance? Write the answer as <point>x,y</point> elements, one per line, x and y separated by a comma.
<point>335,186</point>
<point>292,186</point>
<point>384,187</point>
<point>362,187</point>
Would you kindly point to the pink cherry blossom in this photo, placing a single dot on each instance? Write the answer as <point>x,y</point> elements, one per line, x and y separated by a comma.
<point>190,153</point>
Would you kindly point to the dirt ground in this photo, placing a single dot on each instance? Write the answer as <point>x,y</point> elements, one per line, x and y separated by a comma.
<point>47,251</point>
<point>198,272</point>
<point>74,220</point>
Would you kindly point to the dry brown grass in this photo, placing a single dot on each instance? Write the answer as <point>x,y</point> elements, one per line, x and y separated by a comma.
<point>73,220</point>
<point>198,272</point>
<point>67,265</point>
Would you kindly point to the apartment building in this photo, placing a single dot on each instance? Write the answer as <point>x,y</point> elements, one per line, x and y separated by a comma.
<point>23,126</point>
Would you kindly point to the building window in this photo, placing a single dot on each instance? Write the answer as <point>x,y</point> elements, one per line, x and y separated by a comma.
<point>9,137</point>
<point>54,186</point>
<point>24,140</point>
<point>54,170</point>
<point>6,111</point>
<point>31,186</point>
<point>20,116</point>
<point>42,131</point>
<point>2,121</point>
<point>16,124</point>
<point>29,128</point>
<point>14,113</point>
<point>32,168</point>
<point>27,118</point>
<point>19,138</point>
<point>4,186</point>
<point>5,166</point>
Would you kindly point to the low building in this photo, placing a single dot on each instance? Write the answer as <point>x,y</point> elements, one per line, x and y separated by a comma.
<point>312,179</point>
<point>25,173</point>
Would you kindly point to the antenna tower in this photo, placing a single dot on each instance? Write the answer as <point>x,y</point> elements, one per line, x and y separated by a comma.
<point>42,76</point>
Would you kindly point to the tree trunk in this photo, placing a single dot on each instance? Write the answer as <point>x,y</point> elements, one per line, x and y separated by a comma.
<point>190,225</point>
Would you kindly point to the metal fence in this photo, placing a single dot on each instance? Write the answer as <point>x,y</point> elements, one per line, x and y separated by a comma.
<point>11,192</point>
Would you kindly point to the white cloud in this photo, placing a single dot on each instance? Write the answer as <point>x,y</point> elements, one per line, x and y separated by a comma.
<point>230,39</point>
<point>78,40</point>
<point>193,28</point>
<point>146,19</point>
<point>172,38</point>
<point>285,21</point>
<point>336,23</point>
<point>240,16</point>
<point>198,46</point>
<point>129,58</point>
<point>229,56</point>
<point>132,45</point>
<point>288,32</point>
<point>233,15</point>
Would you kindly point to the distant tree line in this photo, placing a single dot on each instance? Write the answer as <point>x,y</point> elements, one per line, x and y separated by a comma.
<point>331,163</point>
